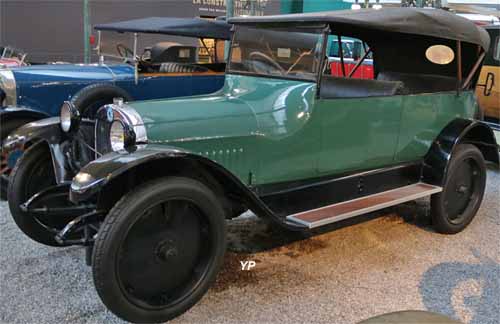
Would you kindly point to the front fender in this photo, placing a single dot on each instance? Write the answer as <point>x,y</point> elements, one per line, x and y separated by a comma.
<point>11,113</point>
<point>94,177</point>
<point>47,129</point>
<point>457,132</point>
<point>96,174</point>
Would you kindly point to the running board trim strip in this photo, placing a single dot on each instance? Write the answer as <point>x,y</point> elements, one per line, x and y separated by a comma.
<point>355,207</point>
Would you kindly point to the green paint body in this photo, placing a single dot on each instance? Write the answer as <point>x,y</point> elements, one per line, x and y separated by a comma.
<point>267,130</point>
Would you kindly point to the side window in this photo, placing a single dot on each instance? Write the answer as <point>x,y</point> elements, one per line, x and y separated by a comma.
<point>353,51</point>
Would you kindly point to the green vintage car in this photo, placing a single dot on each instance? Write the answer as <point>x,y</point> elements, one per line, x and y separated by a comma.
<point>148,186</point>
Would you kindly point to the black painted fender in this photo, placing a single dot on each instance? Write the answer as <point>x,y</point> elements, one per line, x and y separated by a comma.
<point>458,131</point>
<point>47,129</point>
<point>11,113</point>
<point>95,176</point>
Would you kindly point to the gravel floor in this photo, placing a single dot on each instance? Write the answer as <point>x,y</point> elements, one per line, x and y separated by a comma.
<point>384,264</point>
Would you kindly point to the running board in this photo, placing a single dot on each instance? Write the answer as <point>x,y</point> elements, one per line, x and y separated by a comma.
<point>351,208</point>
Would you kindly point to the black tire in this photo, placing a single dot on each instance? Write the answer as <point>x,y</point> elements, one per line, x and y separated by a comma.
<point>33,172</point>
<point>91,98</point>
<point>455,207</point>
<point>6,128</point>
<point>163,282</point>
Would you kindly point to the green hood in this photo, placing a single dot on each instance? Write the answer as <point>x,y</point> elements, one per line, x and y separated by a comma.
<point>245,106</point>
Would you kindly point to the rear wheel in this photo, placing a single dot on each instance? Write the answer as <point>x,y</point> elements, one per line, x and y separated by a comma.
<point>159,250</point>
<point>455,207</point>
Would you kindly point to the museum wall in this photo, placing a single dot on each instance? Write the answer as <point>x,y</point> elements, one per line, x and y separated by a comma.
<point>52,30</point>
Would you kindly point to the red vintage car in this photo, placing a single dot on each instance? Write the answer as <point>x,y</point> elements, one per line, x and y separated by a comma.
<point>10,57</point>
<point>356,56</point>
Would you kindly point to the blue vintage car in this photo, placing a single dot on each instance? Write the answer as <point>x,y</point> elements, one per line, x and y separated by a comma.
<point>165,70</point>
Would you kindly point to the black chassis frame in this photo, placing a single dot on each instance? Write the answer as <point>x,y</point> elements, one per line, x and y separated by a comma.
<point>275,201</point>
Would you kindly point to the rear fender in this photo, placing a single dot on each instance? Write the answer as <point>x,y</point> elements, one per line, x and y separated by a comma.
<point>459,131</point>
<point>112,172</point>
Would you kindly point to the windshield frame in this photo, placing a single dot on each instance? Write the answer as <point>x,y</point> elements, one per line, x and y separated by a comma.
<point>322,30</point>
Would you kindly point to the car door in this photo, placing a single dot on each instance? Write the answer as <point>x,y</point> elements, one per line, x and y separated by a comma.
<point>357,133</point>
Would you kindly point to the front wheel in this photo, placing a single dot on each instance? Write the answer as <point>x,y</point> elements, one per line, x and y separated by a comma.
<point>455,207</point>
<point>33,173</point>
<point>5,129</point>
<point>159,250</point>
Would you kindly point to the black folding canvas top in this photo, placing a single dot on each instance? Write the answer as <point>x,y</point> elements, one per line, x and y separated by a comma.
<point>190,27</point>
<point>416,21</point>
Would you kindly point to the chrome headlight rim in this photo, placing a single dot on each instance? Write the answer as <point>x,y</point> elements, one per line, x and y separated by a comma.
<point>69,117</point>
<point>121,136</point>
<point>134,131</point>
<point>9,87</point>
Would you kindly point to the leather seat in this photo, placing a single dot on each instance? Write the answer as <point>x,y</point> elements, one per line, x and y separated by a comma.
<point>181,68</point>
<point>421,83</point>
<point>335,87</point>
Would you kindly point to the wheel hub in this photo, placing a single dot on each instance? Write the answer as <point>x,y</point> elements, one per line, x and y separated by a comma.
<point>166,250</point>
<point>160,254</point>
<point>462,189</point>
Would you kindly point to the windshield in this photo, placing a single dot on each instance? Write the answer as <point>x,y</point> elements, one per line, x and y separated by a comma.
<point>119,47</point>
<point>276,52</point>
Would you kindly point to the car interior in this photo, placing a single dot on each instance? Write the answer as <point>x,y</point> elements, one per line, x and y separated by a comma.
<point>169,57</point>
<point>165,58</point>
<point>393,78</point>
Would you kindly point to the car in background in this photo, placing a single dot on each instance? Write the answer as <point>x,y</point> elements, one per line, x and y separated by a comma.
<point>164,70</point>
<point>342,61</point>
<point>10,57</point>
<point>481,20</point>
<point>488,89</point>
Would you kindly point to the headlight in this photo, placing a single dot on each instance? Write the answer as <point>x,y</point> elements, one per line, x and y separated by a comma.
<point>8,85</point>
<point>117,136</point>
<point>118,127</point>
<point>121,136</point>
<point>70,117</point>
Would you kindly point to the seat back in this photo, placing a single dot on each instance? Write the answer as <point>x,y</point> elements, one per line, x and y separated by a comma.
<point>420,83</point>
<point>335,87</point>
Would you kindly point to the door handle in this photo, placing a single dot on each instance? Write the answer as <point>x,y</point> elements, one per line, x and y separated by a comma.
<point>488,84</point>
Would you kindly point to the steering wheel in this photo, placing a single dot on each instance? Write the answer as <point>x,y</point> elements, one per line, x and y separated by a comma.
<point>124,50</point>
<point>268,59</point>
<point>297,61</point>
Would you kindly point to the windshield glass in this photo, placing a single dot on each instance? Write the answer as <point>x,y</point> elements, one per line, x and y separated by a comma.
<point>119,47</point>
<point>276,52</point>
